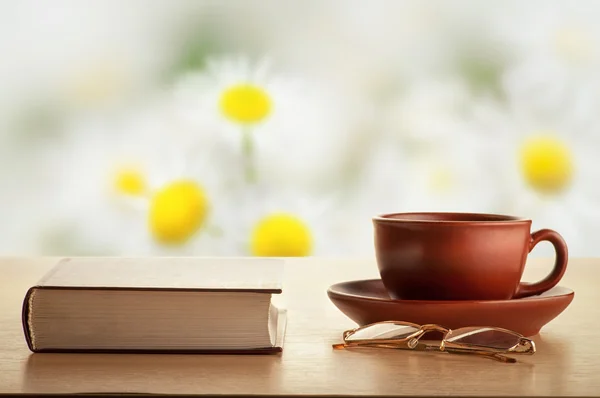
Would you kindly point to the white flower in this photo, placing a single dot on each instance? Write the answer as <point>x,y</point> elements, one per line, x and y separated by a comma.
<point>547,169</point>
<point>431,156</point>
<point>448,177</point>
<point>554,56</point>
<point>427,113</point>
<point>279,223</point>
<point>559,33</point>
<point>287,131</point>
<point>134,189</point>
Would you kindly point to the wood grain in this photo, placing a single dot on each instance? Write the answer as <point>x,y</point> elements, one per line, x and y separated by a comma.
<point>567,361</point>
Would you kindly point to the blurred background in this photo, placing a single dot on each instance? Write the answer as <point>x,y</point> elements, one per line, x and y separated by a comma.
<point>279,128</point>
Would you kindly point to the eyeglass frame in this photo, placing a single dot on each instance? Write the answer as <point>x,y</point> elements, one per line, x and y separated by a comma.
<point>524,345</point>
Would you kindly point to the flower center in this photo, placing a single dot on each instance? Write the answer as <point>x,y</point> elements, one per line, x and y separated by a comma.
<point>573,44</point>
<point>441,180</point>
<point>130,181</point>
<point>546,164</point>
<point>177,211</point>
<point>245,103</point>
<point>100,84</point>
<point>281,235</point>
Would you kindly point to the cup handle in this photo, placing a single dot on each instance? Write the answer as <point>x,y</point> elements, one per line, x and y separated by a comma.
<point>560,264</point>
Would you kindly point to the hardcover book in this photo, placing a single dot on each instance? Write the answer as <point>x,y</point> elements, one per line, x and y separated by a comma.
<point>174,305</point>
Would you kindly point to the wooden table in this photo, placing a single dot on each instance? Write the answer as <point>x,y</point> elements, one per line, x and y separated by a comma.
<point>567,361</point>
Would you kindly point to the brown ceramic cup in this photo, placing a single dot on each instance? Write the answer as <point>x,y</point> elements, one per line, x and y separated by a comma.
<point>460,256</point>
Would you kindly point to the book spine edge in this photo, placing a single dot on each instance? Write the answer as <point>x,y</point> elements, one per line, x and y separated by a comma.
<point>25,313</point>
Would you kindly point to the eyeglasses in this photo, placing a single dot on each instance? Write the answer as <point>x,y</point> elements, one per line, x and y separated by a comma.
<point>490,342</point>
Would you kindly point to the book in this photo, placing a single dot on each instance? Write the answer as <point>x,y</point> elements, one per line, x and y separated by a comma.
<point>174,305</point>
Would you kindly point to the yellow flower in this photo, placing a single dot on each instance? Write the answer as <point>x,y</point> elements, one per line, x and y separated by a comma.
<point>281,235</point>
<point>129,181</point>
<point>245,103</point>
<point>546,164</point>
<point>177,211</point>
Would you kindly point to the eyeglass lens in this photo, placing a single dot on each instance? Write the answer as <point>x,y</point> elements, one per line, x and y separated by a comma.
<point>484,337</point>
<point>384,331</point>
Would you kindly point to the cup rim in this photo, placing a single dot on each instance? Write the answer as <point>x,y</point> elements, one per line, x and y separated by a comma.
<point>487,218</point>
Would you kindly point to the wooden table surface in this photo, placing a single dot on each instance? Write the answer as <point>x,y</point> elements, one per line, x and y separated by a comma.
<point>567,362</point>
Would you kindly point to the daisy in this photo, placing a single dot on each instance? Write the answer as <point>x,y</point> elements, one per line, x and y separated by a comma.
<point>559,33</point>
<point>133,189</point>
<point>279,223</point>
<point>431,153</point>
<point>446,178</point>
<point>555,56</point>
<point>287,131</point>
<point>546,171</point>
<point>430,156</point>
<point>422,116</point>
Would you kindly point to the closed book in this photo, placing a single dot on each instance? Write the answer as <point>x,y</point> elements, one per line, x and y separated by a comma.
<point>172,305</point>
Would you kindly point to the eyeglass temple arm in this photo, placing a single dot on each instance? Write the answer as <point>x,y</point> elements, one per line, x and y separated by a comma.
<point>486,354</point>
<point>388,343</point>
<point>525,347</point>
<point>491,355</point>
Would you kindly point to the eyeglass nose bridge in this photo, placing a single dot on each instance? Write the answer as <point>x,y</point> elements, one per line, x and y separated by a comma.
<point>432,327</point>
<point>429,327</point>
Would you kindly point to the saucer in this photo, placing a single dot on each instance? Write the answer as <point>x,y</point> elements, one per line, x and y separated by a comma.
<point>367,301</point>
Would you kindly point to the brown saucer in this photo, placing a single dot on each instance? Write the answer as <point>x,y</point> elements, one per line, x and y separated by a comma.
<point>367,301</point>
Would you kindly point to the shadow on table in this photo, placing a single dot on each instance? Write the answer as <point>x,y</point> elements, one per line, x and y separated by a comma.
<point>432,373</point>
<point>148,373</point>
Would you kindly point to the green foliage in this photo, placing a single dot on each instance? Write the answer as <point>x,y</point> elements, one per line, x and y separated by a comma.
<point>482,65</point>
<point>196,47</point>
<point>37,123</point>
